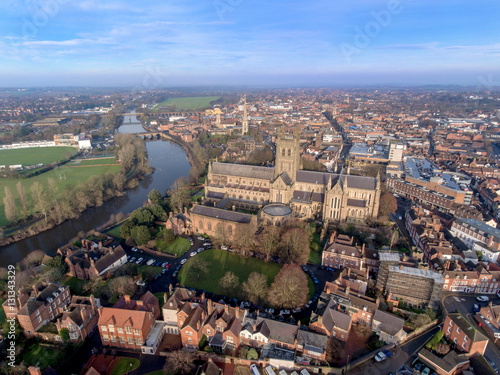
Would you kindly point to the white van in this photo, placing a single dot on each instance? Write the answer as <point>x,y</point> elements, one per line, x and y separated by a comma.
<point>150,262</point>
<point>269,370</point>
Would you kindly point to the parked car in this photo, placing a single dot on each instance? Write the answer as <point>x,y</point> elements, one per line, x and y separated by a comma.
<point>483,299</point>
<point>417,367</point>
<point>475,307</point>
<point>285,312</point>
<point>426,371</point>
<point>308,304</point>
<point>223,247</point>
<point>201,238</point>
<point>315,280</point>
<point>140,283</point>
<point>296,310</point>
<point>193,254</point>
<point>164,271</point>
<point>269,311</point>
<point>183,261</point>
<point>207,244</point>
<point>492,364</point>
<point>139,261</point>
<point>382,355</point>
<point>150,262</point>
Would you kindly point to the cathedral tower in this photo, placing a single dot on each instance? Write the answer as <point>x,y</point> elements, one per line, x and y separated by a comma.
<point>288,153</point>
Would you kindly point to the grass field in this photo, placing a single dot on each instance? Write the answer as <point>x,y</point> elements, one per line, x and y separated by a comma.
<point>316,250</point>
<point>35,155</point>
<point>43,355</point>
<point>124,365</point>
<point>177,248</point>
<point>219,262</point>
<point>115,231</point>
<point>188,103</point>
<point>94,162</point>
<point>72,176</point>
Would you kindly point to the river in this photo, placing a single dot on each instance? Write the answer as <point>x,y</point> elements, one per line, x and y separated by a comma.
<point>170,162</point>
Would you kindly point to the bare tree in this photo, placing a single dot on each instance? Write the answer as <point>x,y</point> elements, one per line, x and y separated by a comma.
<point>295,246</point>
<point>23,201</point>
<point>39,198</point>
<point>229,282</point>
<point>179,196</point>
<point>269,241</point>
<point>9,203</point>
<point>122,285</point>
<point>334,351</point>
<point>34,258</point>
<point>289,288</point>
<point>245,237</point>
<point>199,268</point>
<point>126,154</point>
<point>255,288</point>
<point>180,362</point>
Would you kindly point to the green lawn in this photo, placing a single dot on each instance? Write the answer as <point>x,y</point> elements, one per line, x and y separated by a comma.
<point>177,248</point>
<point>95,161</point>
<point>316,250</point>
<point>3,317</point>
<point>125,365</point>
<point>159,295</point>
<point>65,176</point>
<point>43,355</point>
<point>219,262</point>
<point>188,103</point>
<point>75,284</point>
<point>35,155</point>
<point>115,231</point>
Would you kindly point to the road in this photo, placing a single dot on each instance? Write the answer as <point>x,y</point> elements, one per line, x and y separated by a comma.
<point>402,355</point>
<point>463,302</point>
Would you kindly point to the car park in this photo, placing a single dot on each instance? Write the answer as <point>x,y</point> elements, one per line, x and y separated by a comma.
<point>482,299</point>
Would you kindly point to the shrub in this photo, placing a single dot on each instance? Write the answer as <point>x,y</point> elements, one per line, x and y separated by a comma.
<point>435,340</point>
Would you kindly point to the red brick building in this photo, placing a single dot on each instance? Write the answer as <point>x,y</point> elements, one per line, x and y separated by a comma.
<point>80,318</point>
<point>466,338</point>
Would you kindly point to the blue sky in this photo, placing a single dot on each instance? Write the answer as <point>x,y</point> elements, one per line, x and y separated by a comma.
<point>154,43</point>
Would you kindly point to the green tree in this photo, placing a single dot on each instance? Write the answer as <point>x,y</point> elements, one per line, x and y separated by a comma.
<point>142,216</point>
<point>157,211</point>
<point>126,229</point>
<point>252,354</point>
<point>64,333</point>
<point>140,234</point>
<point>154,196</point>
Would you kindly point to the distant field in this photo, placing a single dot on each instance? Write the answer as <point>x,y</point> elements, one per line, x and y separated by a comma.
<point>94,162</point>
<point>65,176</point>
<point>188,103</point>
<point>35,155</point>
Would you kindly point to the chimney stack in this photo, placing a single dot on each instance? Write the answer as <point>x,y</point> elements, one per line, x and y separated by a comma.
<point>34,370</point>
<point>127,298</point>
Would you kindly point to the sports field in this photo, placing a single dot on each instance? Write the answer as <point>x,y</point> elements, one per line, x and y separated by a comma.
<point>35,155</point>
<point>65,176</point>
<point>188,103</point>
<point>87,162</point>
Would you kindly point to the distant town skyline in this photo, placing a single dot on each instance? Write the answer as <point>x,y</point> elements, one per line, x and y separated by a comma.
<point>238,42</point>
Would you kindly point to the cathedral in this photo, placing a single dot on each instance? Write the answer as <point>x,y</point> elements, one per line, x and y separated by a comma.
<point>326,196</point>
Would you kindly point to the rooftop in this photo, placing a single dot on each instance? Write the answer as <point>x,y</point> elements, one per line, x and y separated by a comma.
<point>438,278</point>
